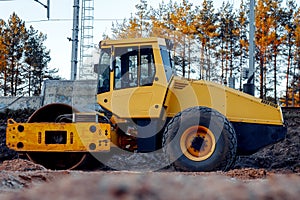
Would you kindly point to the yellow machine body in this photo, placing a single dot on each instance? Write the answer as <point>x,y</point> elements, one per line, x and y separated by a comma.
<point>257,122</point>
<point>141,94</point>
<point>167,98</point>
<point>235,105</point>
<point>58,137</point>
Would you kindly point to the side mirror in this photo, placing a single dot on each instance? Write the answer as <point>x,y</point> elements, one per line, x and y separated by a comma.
<point>96,68</point>
<point>169,44</point>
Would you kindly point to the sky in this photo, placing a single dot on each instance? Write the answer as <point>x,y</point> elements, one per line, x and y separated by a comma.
<point>58,31</point>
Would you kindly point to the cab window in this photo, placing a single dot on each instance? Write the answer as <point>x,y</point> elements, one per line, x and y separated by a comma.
<point>133,66</point>
<point>103,70</point>
<point>147,67</point>
<point>166,57</point>
<point>126,67</point>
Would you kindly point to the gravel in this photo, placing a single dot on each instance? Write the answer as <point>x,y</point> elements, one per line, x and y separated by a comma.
<point>272,173</point>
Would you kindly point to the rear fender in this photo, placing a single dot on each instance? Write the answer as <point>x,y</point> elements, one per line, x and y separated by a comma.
<point>253,137</point>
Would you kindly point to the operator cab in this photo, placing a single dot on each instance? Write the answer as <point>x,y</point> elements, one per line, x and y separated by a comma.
<point>133,65</point>
<point>133,76</point>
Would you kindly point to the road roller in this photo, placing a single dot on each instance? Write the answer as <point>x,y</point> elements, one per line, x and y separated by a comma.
<point>197,125</point>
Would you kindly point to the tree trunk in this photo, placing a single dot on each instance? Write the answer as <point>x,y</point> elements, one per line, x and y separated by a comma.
<point>241,67</point>
<point>209,65</point>
<point>189,53</point>
<point>222,62</point>
<point>202,62</point>
<point>287,78</point>
<point>12,77</point>
<point>29,82</point>
<point>16,81</point>
<point>261,66</point>
<point>275,77</point>
<point>5,81</point>
<point>183,57</point>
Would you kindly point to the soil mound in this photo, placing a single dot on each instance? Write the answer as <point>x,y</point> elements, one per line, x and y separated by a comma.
<point>283,156</point>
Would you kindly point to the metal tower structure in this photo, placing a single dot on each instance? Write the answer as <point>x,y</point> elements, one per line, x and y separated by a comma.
<point>74,40</point>
<point>86,64</point>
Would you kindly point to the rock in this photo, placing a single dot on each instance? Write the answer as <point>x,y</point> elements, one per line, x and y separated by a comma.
<point>20,165</point>
<point>125,185</point>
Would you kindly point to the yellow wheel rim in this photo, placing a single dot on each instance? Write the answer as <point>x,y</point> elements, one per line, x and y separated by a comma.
<point>197,143</point>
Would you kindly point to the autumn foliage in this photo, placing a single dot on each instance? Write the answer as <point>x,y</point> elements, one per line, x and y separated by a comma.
<point>23,58</point>
<point>212,44</point>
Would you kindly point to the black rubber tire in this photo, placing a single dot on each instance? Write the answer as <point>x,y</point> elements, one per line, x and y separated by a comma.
<point>223,156</point>
<point>55,160</point>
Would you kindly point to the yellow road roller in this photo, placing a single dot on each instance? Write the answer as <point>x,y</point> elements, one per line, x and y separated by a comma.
<point>198,125</point>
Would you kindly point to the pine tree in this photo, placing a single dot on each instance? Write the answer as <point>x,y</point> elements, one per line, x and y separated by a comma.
<point>141,22</point>
<point>243,43</point>
<point>36,57</point>
<point>296,71</point>
<point>120,30</point>
<point>183,21</point>
<point>3,50</point>
<point>263,40</point>
<point>229,38</point>
<point>276,37</point>
<point>176,22</point>
<point>290,24</point>
<point>15,36</point>
<point>206,32</point>
<point>137,26</point>
<point>23,59</point>
<point>162,25</point>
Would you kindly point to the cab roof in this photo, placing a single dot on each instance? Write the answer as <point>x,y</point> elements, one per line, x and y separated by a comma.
<point>130,41</point>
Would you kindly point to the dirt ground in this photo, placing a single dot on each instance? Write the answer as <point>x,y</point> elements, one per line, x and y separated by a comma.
<point>272,173</point>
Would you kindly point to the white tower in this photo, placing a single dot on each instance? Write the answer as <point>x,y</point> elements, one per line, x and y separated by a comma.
<point>86,64</point>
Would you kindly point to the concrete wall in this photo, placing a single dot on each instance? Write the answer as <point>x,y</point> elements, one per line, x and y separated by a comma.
<point>81,94</point>
<point>15,103</point>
